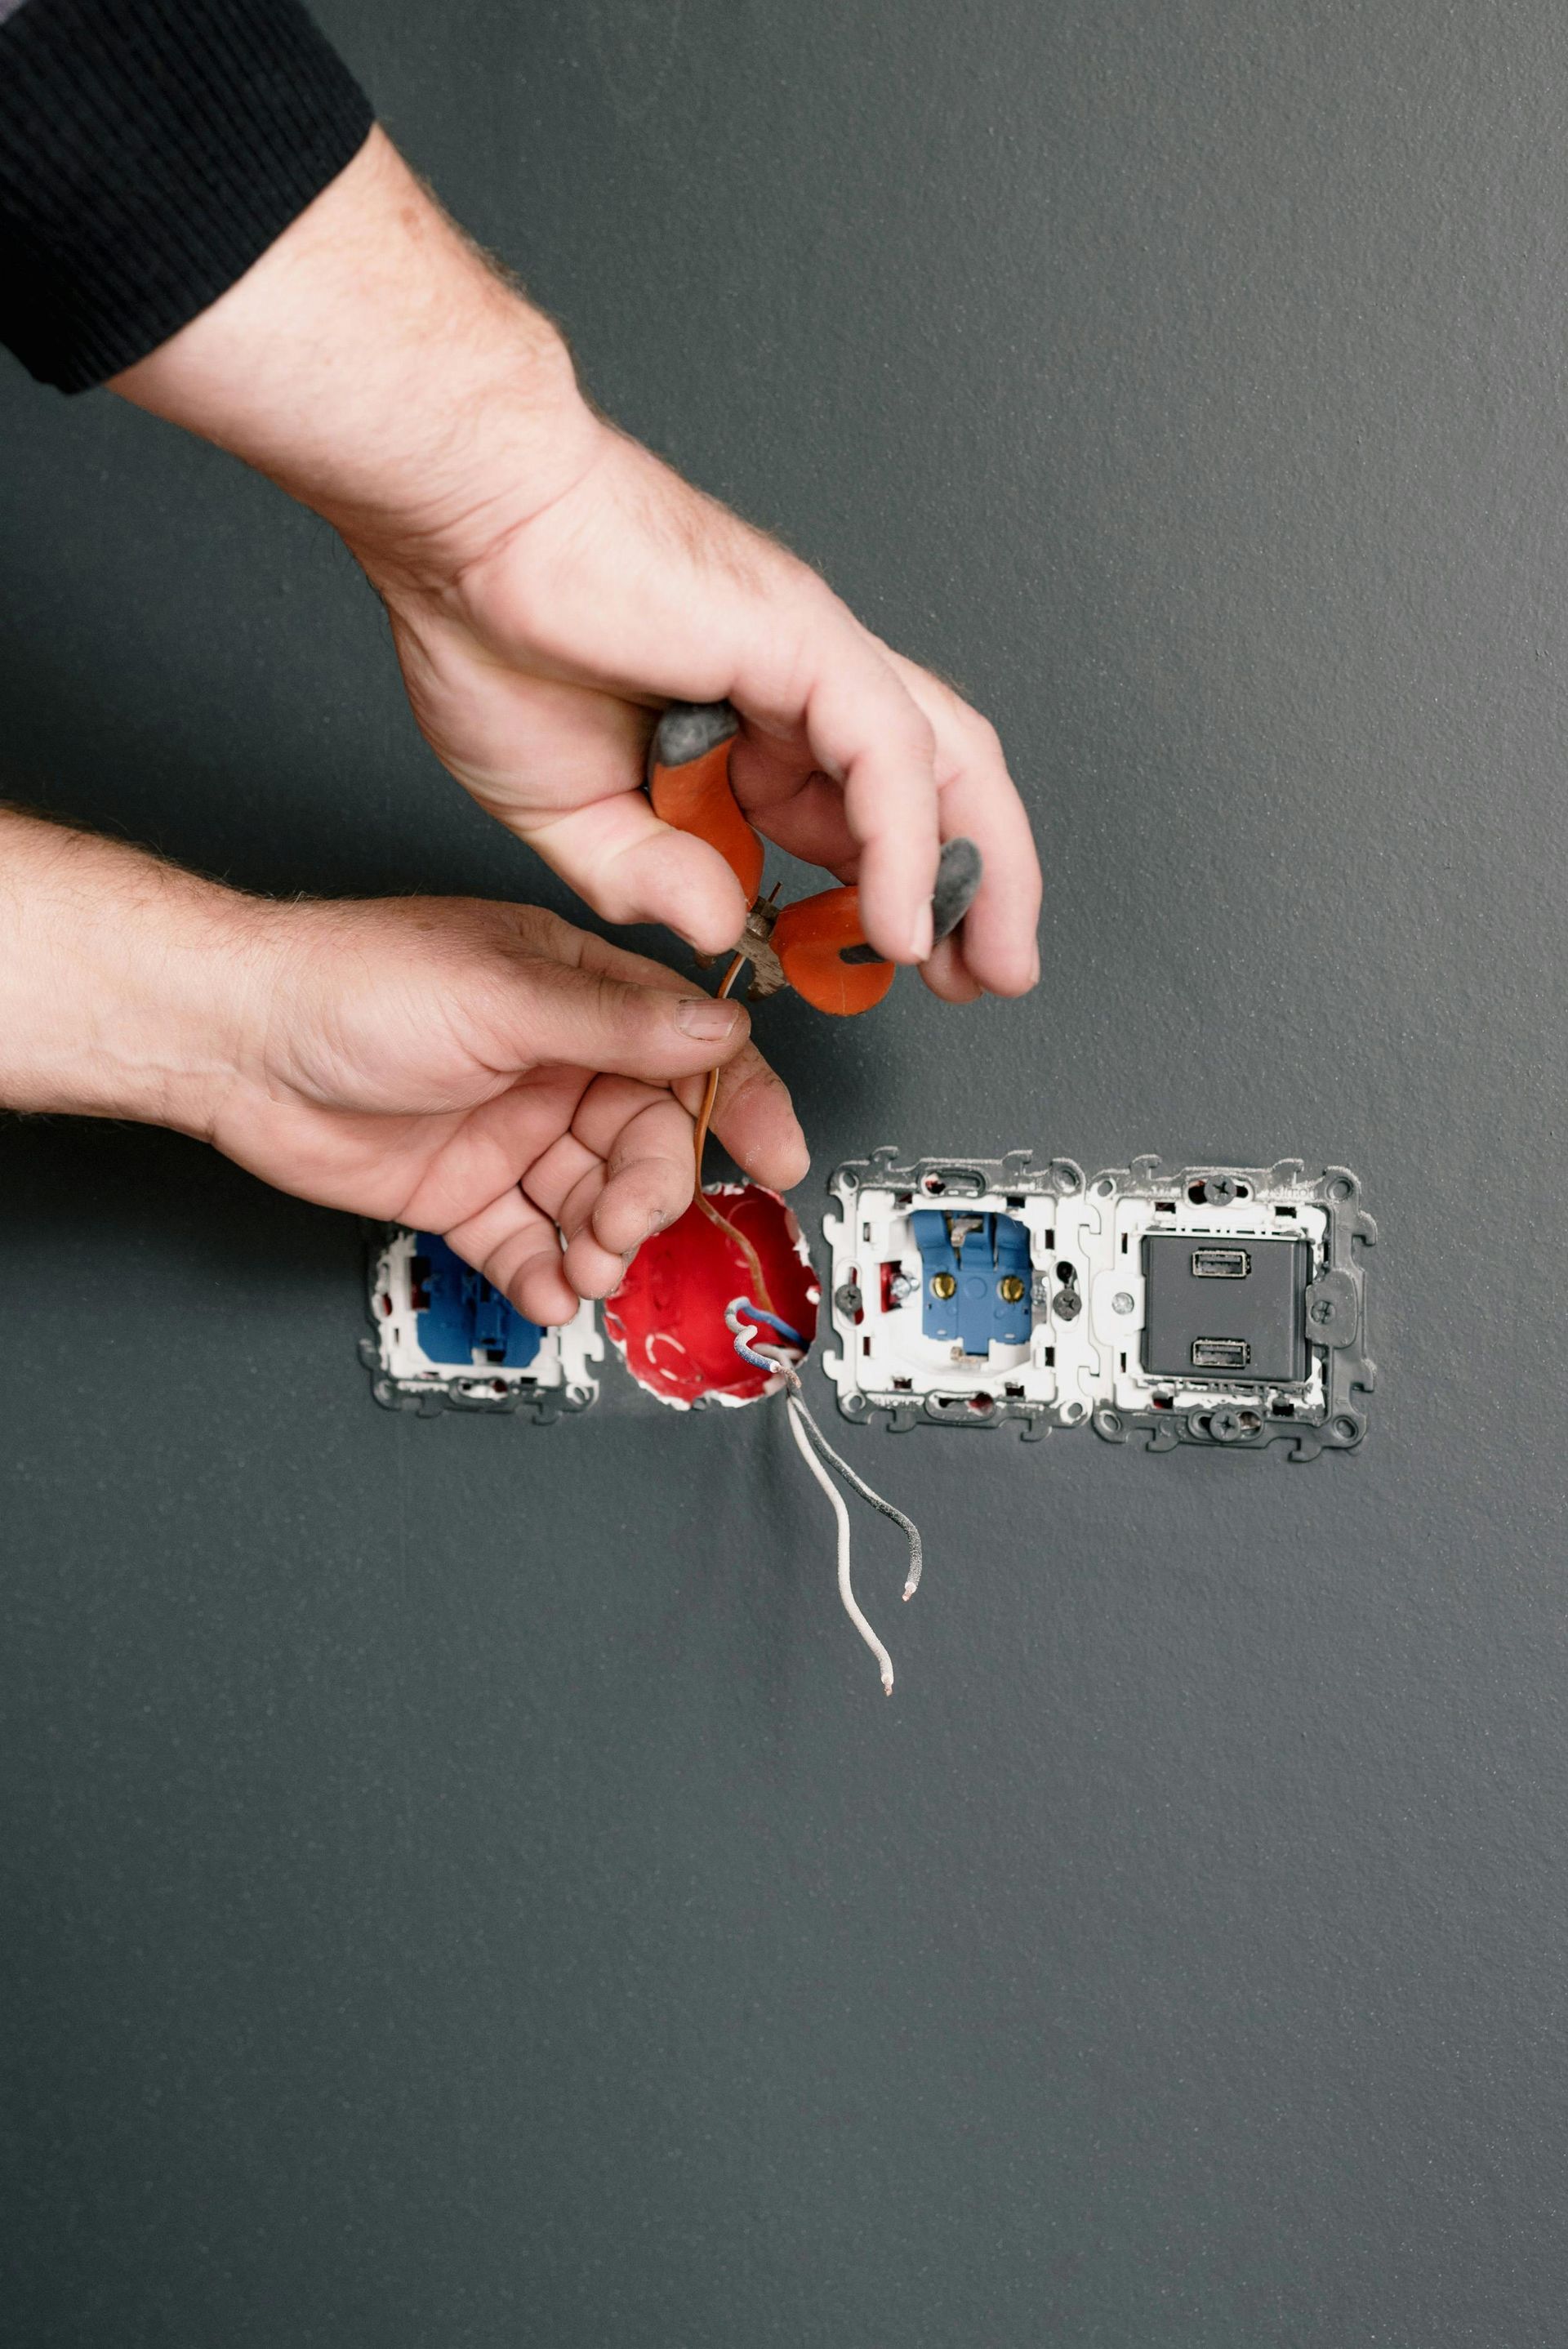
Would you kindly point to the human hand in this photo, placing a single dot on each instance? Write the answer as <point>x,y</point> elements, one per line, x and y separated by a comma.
<point>534,668</point>
<point>551,585</point>
<point>490,1072</point>
<point>481,1070</point>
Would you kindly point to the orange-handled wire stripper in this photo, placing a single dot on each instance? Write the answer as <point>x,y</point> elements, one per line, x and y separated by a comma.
<point>816,946</point>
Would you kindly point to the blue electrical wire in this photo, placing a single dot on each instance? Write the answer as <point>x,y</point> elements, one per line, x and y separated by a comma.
<point>738,1329</point>
<point>785,1332</point>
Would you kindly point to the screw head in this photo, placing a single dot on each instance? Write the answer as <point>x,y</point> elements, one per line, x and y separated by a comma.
<point>1121,1302</point>
<point>943,1286</point>
<point>1323,1311</point>
<point>1011,1287</point>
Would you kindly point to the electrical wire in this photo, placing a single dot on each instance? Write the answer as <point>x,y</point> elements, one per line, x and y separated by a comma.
<point>815,1449</point>
<point>790,1337</point>
<point>858,1484</point>
<point>809,1441</point>
<point>705,1119</point>
<point>846,1589</point>
<point>742,1332</point>
<point>769,1358</point>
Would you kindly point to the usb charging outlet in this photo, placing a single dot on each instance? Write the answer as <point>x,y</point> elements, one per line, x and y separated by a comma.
<point>1221,1264</point>
<point>1221,1354</point>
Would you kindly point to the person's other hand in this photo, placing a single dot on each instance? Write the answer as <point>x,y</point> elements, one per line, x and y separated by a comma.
<point>551,585</point>
<point>488,1073</point>
<point>481,1070</point>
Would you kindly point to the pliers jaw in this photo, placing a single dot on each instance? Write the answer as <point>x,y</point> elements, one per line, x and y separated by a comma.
<point>816,946</point>
<point>756,944</point>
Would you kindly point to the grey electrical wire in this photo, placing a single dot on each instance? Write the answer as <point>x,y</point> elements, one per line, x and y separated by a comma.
<point>807,1434</point>
<point>836,1460</point>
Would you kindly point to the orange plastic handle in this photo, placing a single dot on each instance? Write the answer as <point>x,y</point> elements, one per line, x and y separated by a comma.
<point>688,783</point>
<point>811,939</point>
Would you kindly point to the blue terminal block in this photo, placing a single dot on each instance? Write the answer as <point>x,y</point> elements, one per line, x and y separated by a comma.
<point>459,1319</point>
<point>974,1279</point>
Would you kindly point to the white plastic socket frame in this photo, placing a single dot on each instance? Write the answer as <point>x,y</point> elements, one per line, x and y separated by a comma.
<point>884,1360</point>
<point>559,1376</point>
<point>1205,1305</point>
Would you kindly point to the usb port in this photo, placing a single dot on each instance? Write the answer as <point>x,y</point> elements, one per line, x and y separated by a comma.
<point>1221,1353</point>
<point>1221,1264</point>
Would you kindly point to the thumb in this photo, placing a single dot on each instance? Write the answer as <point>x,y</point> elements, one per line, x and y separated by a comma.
<point>559,1013</point>
<point>631,867</point>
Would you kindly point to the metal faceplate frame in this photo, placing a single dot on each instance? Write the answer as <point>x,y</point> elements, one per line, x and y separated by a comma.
<point>1085,1366</point>
<point>561,1378</point>
<point>1324,1412</point>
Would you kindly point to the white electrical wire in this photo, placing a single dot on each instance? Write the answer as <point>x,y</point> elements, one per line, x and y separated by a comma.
<point>836,1460</point>
<point>750,1345</point>
<point>814,1449</point>
<point>846,1589</point>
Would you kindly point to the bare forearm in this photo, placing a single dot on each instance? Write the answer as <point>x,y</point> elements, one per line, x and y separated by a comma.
<point>375,366</point>
<point>125,985</point>
<point>483,1071</point>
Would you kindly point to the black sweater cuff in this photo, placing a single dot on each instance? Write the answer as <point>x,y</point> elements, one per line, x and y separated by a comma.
<point>151,150</point>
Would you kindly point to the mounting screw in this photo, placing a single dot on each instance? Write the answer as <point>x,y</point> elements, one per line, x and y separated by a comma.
<point>848,1299</point>
<point>943,1285</point>
<point>1068,1304</point>
<point>1323,1311</point>
<point>1010,1286</point>
<point>1122,1301</point>
<point>1215,1190</point>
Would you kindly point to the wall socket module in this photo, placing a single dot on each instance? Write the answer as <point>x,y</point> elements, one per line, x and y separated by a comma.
<point>959,1289</point>
<point>1209,1305</point>
<point>444,1340</point>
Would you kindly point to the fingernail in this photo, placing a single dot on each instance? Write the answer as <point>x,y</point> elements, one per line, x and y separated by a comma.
<point>919,937</point>
<point>657,1221</point>
<point>701,1016</point>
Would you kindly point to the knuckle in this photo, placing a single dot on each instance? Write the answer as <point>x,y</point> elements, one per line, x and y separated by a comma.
<point>748,1074</point>
<point>616,901</point>
<point>608,998</point>
<point>920,737</point>
<point>627,1011</point>
<point>536,931</point>
<point>981,738</point>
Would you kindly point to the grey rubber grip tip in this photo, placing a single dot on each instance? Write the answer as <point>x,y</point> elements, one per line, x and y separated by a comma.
<point>959,874</point>
<point>688,730</point>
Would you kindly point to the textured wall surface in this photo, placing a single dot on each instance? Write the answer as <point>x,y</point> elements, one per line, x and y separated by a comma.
<point>462,1885</point>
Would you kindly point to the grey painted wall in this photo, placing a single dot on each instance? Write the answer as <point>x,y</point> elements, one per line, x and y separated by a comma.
<point>462,1885</point>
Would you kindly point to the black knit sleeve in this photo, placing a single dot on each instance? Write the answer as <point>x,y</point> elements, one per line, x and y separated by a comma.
<point>151,150</point>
